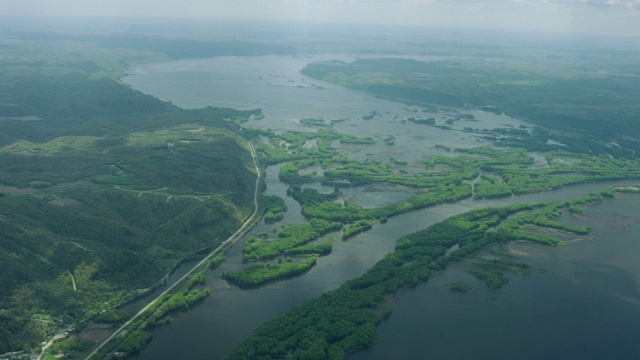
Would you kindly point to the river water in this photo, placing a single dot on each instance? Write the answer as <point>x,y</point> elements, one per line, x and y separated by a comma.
<point>587,296</point>
<point>586,306</point>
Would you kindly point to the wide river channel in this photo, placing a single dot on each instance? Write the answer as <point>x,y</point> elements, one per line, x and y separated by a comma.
<point>585,305</point>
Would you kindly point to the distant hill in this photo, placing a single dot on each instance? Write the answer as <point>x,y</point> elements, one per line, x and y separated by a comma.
<point>554,95</point>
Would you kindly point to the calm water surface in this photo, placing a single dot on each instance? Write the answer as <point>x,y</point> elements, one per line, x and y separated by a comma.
<point>430,320</point>
<point>586,306</point>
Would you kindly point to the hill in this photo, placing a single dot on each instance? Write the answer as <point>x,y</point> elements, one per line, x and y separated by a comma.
<point>582,99</point>
<point>103,190</point>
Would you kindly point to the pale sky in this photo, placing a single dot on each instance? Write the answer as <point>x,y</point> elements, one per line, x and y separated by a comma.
<point>596,16</point>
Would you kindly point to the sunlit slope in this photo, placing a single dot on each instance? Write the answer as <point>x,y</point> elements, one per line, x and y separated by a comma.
<point>102,190</point>
<point>594,98</point>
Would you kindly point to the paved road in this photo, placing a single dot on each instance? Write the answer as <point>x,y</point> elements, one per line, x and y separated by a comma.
<point>231,239</point>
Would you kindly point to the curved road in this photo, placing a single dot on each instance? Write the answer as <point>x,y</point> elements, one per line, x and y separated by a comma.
<point>231,239</point>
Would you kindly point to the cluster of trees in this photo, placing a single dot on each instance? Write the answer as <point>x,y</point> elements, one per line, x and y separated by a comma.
<point>290,145</point>
<point>317,122</point>
<point>492,272</point>
<point>135,341</point>
<point>262,247</point>
<point>274,208</point>
<point>71,98</point>
<point>541,140</point>
<point>357,228</point>
<point>292,242</point>
<point>181,300</point>
<point>317,249</point>
<point>459,286</point>
<point>628,190</point>
<point>487,186</point>
<point>216,261</point>
<point>542,219</point>
<point>466,117</point>
<point>494,173</point>
<point>316,205</point>
<point>72,348</point>
<point>289,172</point>
<point>354,140</point>
<point>511,171</point>
<point>135,338</point>
<point>259,274</point>
<point>428,121</point>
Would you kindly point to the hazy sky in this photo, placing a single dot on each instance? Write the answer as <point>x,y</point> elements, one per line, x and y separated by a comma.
<point>598,16</point>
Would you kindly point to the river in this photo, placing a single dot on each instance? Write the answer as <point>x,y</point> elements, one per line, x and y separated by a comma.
<point>585,306</point>
<point>456,325</point>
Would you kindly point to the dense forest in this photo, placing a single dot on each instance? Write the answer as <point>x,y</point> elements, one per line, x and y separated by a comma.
<point>557,95</point>
<point>103,191</point>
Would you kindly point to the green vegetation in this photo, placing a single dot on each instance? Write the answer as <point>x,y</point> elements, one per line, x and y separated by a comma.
<point>354,140</point>
<point>459,286</point>
<point>317,122</point>
<point>492,272</point>
<point>291,145</point>
<point>553,94</point>
<point>319,249</point>
<point>216,261</point>
<point>465,117</point>
<point>178,301</point>
<point>291,241</point>
<point>70,348</point>
<point>105,191</point>
<point>259,274</point>
<point>357,228</point>
<point>370,116</point>
<point>342,321</point>
<point>274,208</point>
<point>429,121</point>
<point>628,189</point>
<point>134,342</point>
<point>482,172</point>
<point>261,247</point>
<point>134,338</point>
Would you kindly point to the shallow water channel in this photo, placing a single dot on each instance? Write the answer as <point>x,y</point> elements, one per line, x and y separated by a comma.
<point>430,320</point>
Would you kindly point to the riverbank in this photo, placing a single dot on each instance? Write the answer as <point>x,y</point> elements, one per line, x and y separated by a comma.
<point>202,264</point>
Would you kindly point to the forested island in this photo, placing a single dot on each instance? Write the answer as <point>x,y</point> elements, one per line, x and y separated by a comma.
<point>342,321</point>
